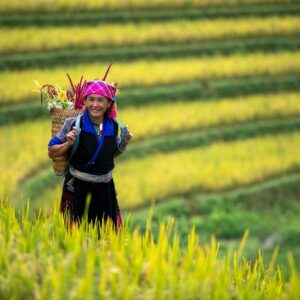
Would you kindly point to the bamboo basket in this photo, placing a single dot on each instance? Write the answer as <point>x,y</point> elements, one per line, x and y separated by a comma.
<point>61,163</point>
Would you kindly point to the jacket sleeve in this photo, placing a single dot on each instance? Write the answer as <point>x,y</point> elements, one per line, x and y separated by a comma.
<point>61,136</point>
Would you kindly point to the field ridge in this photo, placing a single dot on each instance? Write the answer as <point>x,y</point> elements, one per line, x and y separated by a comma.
<point>51,59</point>
<point>42,177</point>
<point>26,18</point>
<point>210,90</point>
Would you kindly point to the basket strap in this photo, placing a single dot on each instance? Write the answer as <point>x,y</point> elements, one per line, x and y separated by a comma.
<point>76,142</point>
<point>123,131</point>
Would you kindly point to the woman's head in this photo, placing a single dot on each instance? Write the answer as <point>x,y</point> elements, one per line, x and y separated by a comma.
<point>100,98</point>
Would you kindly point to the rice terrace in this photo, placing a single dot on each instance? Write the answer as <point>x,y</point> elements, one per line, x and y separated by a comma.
<point>209,186</point>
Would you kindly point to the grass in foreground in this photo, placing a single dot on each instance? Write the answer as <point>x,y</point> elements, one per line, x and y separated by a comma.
<point>40,259</point>
<point>270,210</point>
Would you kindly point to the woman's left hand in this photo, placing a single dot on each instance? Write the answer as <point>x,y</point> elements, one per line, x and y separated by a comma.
<point>128,135</point>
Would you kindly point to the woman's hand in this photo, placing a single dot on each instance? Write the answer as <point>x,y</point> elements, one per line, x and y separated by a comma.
<point>128,135</point>
<point>61,149</point>
<point>71,136</point>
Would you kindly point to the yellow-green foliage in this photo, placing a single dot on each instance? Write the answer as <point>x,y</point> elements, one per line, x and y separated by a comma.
<point>214,167</point>
<point>23,149</point>
<point>112,35</point>
<point>153,72</point>
<point>159,119</point>
<point>156,120</point>
<point>40,259</point>
<point>211,168</point>
<point>91,5</point>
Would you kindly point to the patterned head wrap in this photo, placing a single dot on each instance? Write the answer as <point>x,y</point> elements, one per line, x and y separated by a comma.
<point>100,87</point>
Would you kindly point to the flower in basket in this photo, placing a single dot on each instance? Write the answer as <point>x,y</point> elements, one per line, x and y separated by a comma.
<point>57,97</point>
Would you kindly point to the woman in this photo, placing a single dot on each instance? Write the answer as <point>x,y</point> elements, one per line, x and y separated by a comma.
<point>92,164</point>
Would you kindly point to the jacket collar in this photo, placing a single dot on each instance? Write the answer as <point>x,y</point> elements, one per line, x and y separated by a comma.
<point>88,126</point>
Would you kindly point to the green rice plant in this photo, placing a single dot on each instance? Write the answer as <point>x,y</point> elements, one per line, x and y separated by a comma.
<point>227,47</point>
<point>165,118</point>
<point>35,39</point>
<point>112,5</point>
<point>43,182</point>
<point>27,152</point>
<point>23,149</point>
<point>144,73</point>
<point>60,18</point>
<point>213,168</point>
<point>210,90</point>
<point>262,199</point>
<point>42,259</point>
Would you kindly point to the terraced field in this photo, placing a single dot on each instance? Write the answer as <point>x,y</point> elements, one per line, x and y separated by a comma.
<point>210,90</point>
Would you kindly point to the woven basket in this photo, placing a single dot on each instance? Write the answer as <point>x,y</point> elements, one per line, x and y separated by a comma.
<point>61,163</point>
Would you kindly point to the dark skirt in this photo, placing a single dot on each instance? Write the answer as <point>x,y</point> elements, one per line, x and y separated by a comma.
<point>103,202</point>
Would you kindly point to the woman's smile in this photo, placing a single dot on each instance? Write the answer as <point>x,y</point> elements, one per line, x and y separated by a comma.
<point>97,106</point>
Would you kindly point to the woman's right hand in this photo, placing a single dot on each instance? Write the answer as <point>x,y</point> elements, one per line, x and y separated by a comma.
<point>71,136</point>
<point>61,149</point>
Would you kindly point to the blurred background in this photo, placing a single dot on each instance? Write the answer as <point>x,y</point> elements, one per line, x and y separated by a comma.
<point>209,88</point>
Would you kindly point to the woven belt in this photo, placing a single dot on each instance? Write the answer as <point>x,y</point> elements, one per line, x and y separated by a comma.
<point>90,177</point>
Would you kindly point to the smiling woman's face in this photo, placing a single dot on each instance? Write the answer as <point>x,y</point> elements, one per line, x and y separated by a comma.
<point>97,105</point>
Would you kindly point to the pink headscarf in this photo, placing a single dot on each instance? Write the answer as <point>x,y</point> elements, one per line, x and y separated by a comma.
<point>105,89</point>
